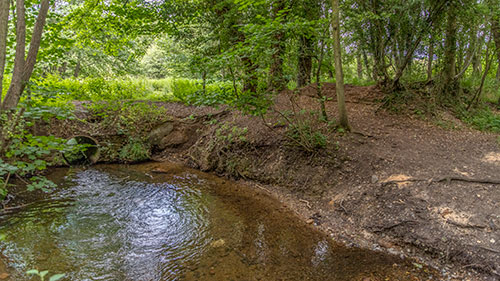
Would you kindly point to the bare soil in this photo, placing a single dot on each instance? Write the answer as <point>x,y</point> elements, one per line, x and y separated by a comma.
<point>397,183</point>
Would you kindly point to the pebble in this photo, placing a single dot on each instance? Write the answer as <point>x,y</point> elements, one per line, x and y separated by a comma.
<point>310,221</point>
<point>4,276</point>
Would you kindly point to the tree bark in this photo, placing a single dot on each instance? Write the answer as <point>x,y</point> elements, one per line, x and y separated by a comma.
<point>495,28</point>
<point>24,68</point>
<point>450,49</point>
<point>359,65</point>
<point>339,75</point>
<point>305,61</point>
<point>277,82</point>
<point>12,97</point>
<point>76,73</point>
<point>4,28</point>
<point>430,58</point>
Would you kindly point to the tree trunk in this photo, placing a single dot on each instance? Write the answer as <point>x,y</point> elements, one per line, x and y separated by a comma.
<point>76,73</point>
<point>339,75</point>
<point>15,88</point>
<point>305,62</point>
<point>4,28</point>
<point>495,28</point>
<point>250,83</point>
<point>430,58</point>
<point>450,49</point>
<point>359,65</point>
<point>23,69</point>
<point>277,82</point>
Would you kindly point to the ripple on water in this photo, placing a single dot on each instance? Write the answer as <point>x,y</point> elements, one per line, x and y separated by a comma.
<point>117,223</point>
<point>103,225</point>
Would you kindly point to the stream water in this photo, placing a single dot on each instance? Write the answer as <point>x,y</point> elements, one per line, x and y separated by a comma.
<point>116,222</point>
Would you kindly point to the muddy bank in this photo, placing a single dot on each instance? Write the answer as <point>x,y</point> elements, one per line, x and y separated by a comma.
<point>396,184</point>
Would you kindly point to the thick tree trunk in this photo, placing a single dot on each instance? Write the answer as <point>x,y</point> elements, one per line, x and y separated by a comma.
<point>4,28</point>
<point>495,28</point>
<point>450,49</point>
<point>23,69</point>
<point>15,88</point>
<point>339,75</point>
<point>277,82</point>
<point>305,62</point>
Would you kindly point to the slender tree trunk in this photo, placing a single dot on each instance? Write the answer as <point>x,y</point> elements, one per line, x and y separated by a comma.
<point>339,75</point>
<point>24,68</point>
<point>430,58</point>
<point>359,63</point>
<point>4,28</point>
<point>250,83</point>
<point>76,73</point>
<point>495,28</point>
<point>204,79</point>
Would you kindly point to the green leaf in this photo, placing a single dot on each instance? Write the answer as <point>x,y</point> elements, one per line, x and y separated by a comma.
<point>57,277</point>
<point>43,273</point>
<point>33,271</point>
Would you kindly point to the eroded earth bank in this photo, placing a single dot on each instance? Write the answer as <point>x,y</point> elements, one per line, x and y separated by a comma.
<point>397,183</point>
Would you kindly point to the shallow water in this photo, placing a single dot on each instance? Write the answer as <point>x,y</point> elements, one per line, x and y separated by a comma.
<point>115,222</point>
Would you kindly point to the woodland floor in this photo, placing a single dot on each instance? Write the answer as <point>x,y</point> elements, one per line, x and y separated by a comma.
<point>399,184</point>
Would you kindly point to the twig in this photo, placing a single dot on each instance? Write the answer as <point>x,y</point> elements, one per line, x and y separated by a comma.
<point>342,206</point>
<point>306,202</point>
<point>394,225</point>
<point>263,188</point>
<point>461,225</point>
<point>6,182</point>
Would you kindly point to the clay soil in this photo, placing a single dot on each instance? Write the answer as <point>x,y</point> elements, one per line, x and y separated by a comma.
<point>398,183</point>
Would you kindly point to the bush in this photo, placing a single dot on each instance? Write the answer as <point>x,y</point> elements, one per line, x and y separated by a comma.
<point>483,119</point>
<point>135,151</point>
<point>189,91</point>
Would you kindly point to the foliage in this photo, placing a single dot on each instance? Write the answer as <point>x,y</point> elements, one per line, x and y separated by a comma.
<point>135,151</point>
<point>25,155</point>
<point>44,273</point>
<point>483,119</point>
<point>307,130</point>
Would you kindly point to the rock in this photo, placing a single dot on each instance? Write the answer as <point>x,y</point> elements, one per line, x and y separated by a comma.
<point>218,243</point>
<point>173,139</point>
<point>374,179</point>
<point>310,221</point>
<point>4,276</point>
<point>160,132</point>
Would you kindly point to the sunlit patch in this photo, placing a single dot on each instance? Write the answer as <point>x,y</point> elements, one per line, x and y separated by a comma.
<point>492,157</point>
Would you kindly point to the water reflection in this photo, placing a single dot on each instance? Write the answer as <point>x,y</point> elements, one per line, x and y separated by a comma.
<point>113,223</point>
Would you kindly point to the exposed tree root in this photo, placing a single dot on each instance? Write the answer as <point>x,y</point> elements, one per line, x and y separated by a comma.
<point>447,179</point>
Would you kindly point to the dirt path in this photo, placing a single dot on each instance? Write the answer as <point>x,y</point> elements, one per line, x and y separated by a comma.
<point>449,222</point>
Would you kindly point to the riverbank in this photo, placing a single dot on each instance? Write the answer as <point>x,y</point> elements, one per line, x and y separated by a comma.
<point>397,184</point>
